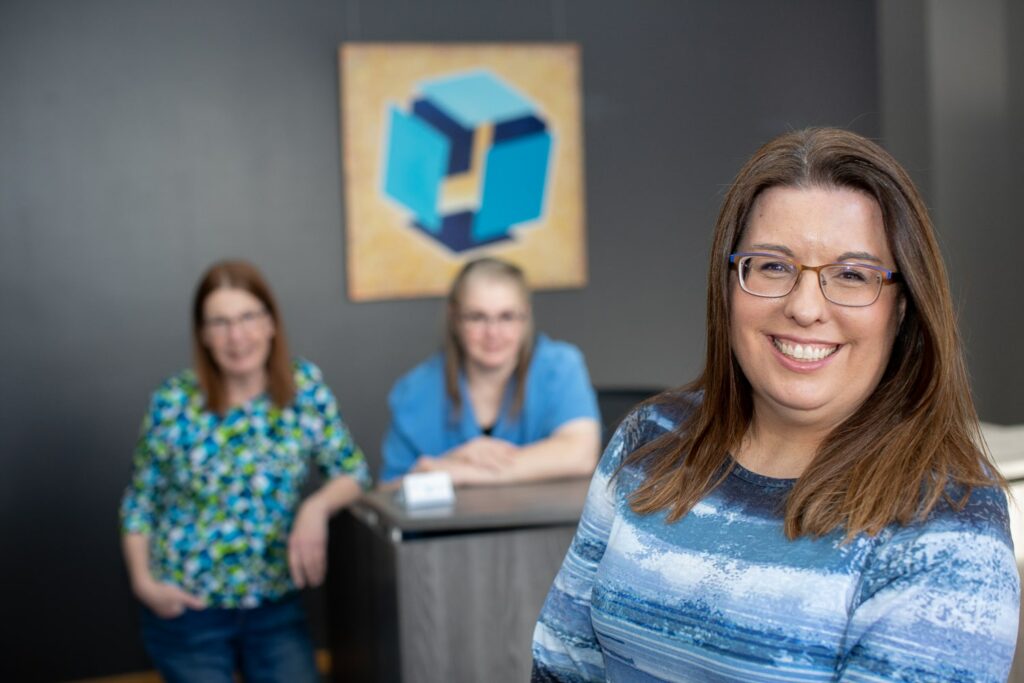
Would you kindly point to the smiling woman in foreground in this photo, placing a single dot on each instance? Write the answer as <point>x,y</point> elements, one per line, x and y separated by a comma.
<point>814,506</point>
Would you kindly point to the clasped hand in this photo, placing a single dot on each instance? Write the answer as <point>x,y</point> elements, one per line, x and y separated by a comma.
<point>483,460</point>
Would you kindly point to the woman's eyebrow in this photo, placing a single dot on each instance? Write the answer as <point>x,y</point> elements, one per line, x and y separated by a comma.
<point>846,256</point>
<point>774,247</point>
<point>858,256</point>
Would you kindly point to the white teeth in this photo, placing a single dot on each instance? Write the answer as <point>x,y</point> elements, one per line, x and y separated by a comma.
<point>804,351</point>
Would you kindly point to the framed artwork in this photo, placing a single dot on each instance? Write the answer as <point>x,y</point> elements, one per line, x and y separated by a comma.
<point>455,151</point>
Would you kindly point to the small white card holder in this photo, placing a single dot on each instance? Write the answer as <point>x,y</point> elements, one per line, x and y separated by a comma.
<point>427,489</point>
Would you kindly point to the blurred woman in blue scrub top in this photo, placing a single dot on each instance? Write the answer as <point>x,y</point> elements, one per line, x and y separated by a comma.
<point>499,404</point>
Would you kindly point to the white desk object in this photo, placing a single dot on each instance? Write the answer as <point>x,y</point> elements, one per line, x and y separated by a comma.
<point>427,489</point>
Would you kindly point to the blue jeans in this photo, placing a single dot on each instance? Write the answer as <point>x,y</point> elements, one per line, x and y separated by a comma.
<point>267,644</point>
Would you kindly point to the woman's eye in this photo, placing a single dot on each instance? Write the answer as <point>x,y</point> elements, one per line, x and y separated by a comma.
<point>853,275</point>
<point>774,267</point>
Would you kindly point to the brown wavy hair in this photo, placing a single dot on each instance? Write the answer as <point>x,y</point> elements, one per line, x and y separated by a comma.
<point>280,375</point>
<point>896,456</point>
<point>455,355</point>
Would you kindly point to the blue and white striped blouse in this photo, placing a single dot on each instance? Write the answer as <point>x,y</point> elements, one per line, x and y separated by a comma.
<point>722,595</point>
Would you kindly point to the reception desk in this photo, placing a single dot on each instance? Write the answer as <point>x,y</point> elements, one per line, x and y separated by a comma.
<point>448,594</point>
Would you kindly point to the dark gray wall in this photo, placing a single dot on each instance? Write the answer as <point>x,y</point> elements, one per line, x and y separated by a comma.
<point>953,101</point>
<point>141,140</point>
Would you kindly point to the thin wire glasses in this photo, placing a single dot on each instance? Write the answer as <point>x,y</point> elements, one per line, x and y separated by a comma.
<point>846,284</point>
<point>480,320</point>
<point>246,322</point>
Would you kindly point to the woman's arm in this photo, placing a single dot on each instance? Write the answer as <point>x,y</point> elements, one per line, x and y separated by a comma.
<point>165,599</point>
<point>561,402</point>
<point>307,543</point>
<point>138,511</point>
<point>343,465</point>
<point>570,452</point>
<point>940,603</point>
<point>565,646</point>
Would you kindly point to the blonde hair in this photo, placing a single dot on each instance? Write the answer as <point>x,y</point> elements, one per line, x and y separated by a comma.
<point>455,354</point>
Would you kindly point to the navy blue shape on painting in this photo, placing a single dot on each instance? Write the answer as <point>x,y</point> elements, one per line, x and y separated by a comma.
<point>517,128</point>
<point>456,232</point>
<point>460,137</point>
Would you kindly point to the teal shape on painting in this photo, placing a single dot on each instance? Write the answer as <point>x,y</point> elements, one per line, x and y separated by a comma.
<point>514,181</point>
<point>477,97</point>
<point>417,159</point>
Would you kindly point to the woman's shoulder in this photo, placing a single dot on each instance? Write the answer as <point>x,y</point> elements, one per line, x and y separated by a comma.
<point>664,412</point>
<point>982,509</point>
<point>178,388</point>
<point>174,395</point>
<point>427,378</point>
<point>961,550</point>
<point>964,531</point>
<point>658,416</point>
<point>307,373</point>
<point>554,351</point>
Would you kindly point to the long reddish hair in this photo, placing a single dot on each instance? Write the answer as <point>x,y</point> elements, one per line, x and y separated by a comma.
<point>280,376</point>
<point>895,457</point>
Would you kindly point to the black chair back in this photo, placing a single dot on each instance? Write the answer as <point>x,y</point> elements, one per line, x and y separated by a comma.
<point>615,404</point>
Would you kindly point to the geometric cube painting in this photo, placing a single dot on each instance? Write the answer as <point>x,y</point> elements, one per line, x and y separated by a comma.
<point>434,141</point>
<point>456,151</point>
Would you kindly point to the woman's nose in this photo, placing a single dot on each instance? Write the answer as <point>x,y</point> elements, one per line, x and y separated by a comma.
<point>806,304</point>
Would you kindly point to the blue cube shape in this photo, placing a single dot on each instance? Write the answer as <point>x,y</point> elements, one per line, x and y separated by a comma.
<point>514,184</point>
<point>435,140</point>
<point>417,159</point>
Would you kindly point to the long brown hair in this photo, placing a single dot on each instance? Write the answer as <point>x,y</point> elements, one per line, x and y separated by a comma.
<point>280,375</point>
<point>455,355</point>
<point>893,458</point>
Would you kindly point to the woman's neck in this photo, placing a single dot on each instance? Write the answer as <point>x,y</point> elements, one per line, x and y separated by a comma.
<point>777,449</point>
<point>486,387</point>
<point>244,388</point>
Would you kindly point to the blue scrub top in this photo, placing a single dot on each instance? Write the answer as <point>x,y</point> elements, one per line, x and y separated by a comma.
<point>424,422</point>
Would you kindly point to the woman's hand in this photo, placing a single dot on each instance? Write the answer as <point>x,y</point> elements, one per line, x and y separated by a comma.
<point>166,600</point>
<point>485,451</point>
<point>470,467</point>
<point>307,544</point>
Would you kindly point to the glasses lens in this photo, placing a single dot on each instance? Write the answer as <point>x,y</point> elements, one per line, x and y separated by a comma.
<point>767,275</point>
<point>851,285</point>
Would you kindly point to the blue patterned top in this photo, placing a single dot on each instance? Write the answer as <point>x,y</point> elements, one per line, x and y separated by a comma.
<point>722,595</point>
<point>217,495</point>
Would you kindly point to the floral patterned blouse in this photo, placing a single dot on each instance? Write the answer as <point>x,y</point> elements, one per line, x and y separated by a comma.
<point>217,495</point>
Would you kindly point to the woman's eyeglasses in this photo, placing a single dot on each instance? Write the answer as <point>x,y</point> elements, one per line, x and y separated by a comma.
<point>846,284</point>
<point>480,320</point>
<point>247,322</point>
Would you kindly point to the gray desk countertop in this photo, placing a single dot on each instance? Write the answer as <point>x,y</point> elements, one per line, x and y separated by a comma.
<point>539,504</point>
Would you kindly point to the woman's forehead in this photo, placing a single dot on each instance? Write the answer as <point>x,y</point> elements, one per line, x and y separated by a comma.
<point>229,299</point>
<point>492,292</point>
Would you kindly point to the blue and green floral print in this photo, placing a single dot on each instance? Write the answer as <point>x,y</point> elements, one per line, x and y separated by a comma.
<point>217,495</point>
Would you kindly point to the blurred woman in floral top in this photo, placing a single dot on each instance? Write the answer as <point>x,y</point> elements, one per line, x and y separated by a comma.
<point>214,535</point>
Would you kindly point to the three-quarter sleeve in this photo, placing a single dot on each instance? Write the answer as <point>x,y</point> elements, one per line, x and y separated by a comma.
<point>567,391</point>
<point>139,503</point>
<point>335,452</point>
<point>418,407</point>
<point>565,647</point>
<point>940,603</point>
